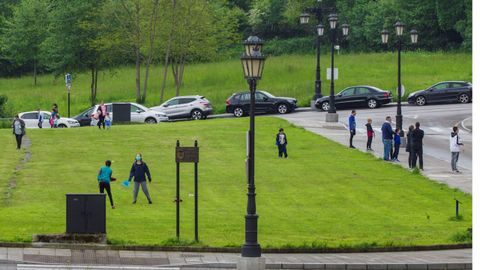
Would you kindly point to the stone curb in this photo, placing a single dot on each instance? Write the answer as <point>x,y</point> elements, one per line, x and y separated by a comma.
<point>331,266</point>
<point>232,249</point>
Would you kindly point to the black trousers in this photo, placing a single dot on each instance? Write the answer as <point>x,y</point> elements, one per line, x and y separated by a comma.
<point>410,159</point>
<point>396,151</point>
<point>352,133</point>
<point>417,153</point>
<point>282,150</point>
<point>369,142</point>
<point>101,122</point>
<point>19,140</point>
<point>102,186</point>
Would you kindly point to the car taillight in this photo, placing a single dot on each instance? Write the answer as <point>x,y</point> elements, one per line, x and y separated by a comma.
<point>386,94</point>
<point>228,102</point>
<point>206,104</point>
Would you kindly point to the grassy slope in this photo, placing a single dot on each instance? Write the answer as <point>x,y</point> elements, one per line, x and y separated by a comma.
<point>323,195</point>
<point>284,76</point>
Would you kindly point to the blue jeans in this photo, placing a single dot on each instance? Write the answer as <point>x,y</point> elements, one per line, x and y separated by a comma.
<point>387,146</point>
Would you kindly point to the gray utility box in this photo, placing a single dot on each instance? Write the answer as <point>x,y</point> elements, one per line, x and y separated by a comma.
<point>121,112</point>
<point>86,213</point>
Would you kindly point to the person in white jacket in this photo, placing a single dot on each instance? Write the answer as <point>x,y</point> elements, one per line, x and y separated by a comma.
<point>455,145</point>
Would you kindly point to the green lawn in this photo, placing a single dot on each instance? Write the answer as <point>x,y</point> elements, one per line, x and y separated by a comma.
<point>324,195</point>
<point>290,75</point>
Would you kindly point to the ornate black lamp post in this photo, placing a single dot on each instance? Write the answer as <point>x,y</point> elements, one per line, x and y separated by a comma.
<point>399,28</point>
<point>304,19</point>
<point>252,62</point>
<point>332,115</point>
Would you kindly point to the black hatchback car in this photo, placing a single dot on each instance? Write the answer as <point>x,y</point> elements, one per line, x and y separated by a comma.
<point>356,96</point>
<point>448,91</point>
<point>239,103</point>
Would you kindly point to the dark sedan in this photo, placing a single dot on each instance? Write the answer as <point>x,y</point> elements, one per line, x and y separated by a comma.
<point>357,96</point>
<point>239,103</point>
<point>449,91</point>
<point>85,117</point>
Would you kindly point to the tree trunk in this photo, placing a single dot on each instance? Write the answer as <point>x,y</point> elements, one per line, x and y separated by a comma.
<point>152,27</point>
<point>137,74</point>
<point>92,86</point>
<point>34,72</point>
<point>96,82</point>
<point>167,53</point>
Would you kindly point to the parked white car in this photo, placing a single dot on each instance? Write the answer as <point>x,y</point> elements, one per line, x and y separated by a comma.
<point>31,120</point>
<point>138,114</point>
<point>193,107</point>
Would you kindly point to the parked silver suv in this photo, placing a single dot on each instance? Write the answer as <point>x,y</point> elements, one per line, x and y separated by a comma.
<point>194,107</point>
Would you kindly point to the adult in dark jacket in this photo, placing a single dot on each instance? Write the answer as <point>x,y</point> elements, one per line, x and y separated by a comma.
<point>417,146</point>
<point>387,136</point>
<point>138,172</point>
<point>18,128</point>
<point>408,148</point>
<point>352,126</point>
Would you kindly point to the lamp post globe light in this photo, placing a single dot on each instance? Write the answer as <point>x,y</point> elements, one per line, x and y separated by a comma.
<point>399,29</point>
<point>332,115</point>
<point>252,62</point>
<point>318,12</point>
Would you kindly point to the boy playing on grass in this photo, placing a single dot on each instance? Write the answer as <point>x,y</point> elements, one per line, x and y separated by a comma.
<point>108,121</point>
<point>281,142</point>
<point>370,134</point>
<point>397,142</point>
<point>104,177</point>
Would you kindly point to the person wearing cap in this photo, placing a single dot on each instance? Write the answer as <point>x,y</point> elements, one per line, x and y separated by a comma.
<point>104,177</point>
<point>138,172</point>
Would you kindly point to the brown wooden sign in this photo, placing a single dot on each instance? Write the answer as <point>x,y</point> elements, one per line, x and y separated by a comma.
<point>186,154</point>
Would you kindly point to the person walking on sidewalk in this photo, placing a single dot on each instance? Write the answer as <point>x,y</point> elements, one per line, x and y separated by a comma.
<point>104,177</point>
<point>370,134</point>
<point>352,126</point>
<point>138,172</point>
<point>455,146</point>
<point>387,136</point>
<point>396,144</point>
<point>408,147</point>
<point>281,142</point>
<point>18,127</point>
<point>417,146</point>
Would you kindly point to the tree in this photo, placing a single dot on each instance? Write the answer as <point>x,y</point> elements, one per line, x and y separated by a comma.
<point>75,31</point>
<point>24,33</point>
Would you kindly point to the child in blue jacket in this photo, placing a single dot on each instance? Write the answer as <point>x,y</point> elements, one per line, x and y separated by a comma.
<point>397,141</point>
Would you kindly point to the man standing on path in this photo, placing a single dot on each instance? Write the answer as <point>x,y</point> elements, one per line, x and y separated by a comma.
<point>417,146</point>
<point>352,125</point>
<point>387,136</point>
<point>18,127</point>
<point>455,148</point>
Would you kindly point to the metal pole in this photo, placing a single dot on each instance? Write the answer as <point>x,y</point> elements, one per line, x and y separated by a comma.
<point>456,208</point>
<point>68,103</point>
<point>332,108</point>
<point>318,82</point>
<point>177,199</point>
<point>196,197</point>
<point>251,248</point>
<point>399,117</point>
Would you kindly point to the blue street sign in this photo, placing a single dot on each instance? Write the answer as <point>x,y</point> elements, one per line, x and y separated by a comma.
<point>68,78</point>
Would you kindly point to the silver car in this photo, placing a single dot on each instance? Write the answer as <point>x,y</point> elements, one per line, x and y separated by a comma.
<point>194,107</point>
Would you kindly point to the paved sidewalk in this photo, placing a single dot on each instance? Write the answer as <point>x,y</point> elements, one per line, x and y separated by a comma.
<point>435,168</point>
<point>442,259</point>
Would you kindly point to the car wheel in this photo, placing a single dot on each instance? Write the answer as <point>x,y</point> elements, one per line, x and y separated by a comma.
<point>282,108</point>
<point>372,103</point>
<point>463,98</point>
<point>62,126</point>
<point>150,121</point>
<point>238,112</point>
<point>325,105</point>
<point>196,114</point>
<point>420,101</point>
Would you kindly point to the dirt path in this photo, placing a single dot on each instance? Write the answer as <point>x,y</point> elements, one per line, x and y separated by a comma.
<point>12,182</point>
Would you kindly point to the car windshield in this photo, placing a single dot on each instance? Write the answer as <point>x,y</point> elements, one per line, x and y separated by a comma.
<point>86,112</point>
<point>267,94</point>
<point>141,106</point>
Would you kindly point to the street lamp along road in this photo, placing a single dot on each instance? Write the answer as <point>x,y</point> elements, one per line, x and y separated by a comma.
<point>399,29</point>
<point>304,19</point>
<point>252,62</point>
<point>332,115</point>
